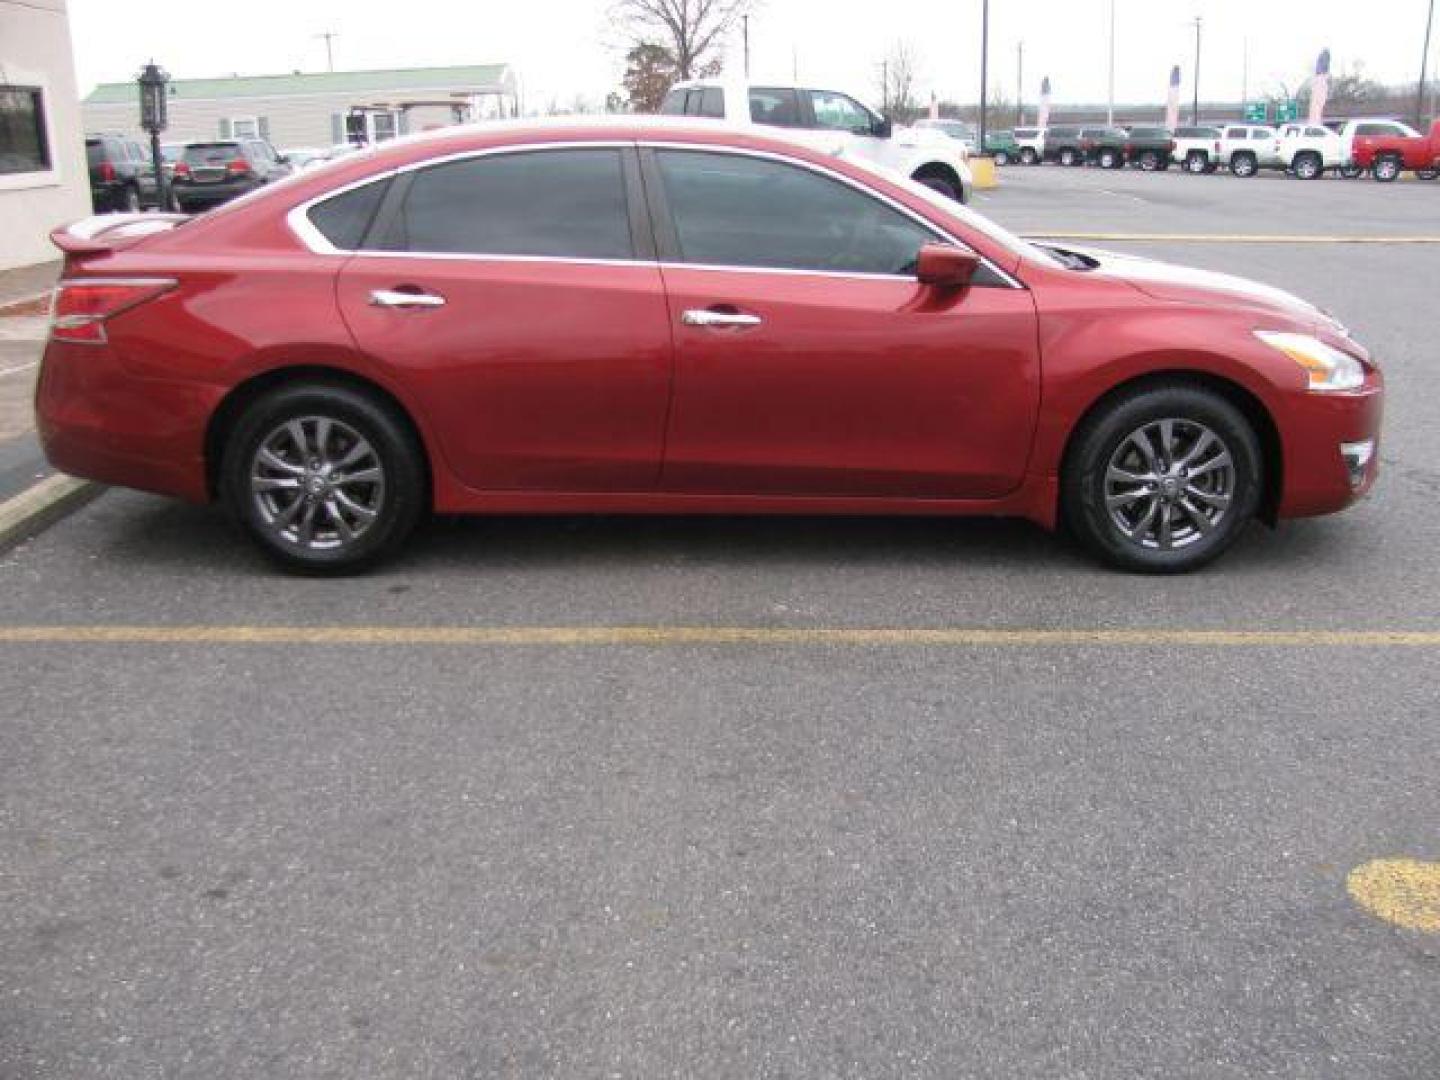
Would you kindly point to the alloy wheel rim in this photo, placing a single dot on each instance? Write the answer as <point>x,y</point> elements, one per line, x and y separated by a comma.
<point>317,483</point>
<point>1169,484</point>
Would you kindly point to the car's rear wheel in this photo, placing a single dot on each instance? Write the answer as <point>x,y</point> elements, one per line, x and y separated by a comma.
<point>1244,164</point>
<point>1069,157</point>
<point>1162,480</point>
<point>1308,166</point>
<point>1109,159</point>
<point>1150,161</point>
<point>1387,168</point>
<point>1428,174</point>
<point>1196,162</point>
<point>324,478</point>
<point>1002,157</point>
<point>1028,156</point>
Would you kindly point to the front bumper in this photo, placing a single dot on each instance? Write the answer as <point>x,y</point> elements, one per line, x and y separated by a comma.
<point>1322,437</point>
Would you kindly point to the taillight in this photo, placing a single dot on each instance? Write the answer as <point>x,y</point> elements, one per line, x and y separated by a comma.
<point>80,308</point>
<point>181,169</point>
<point>239,167</point>
<point>1129,149</point>
<point>107,173</point>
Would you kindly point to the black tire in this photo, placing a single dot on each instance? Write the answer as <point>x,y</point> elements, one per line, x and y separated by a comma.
<point>1308,165</point>
<point>1387,168</point>
<point>1427,174</point>
<point>1244,165</point>
<point>942,184</point>
<point>130,199</point>
<point>1197,162</point>
<point>1150,161</point>
<point>1028,156</point>
<point>1069,157</point>
<point>402,498</point>
<point>1350,172</point>
<point>1102,434</point>
<point>1002,157</point>
<point>1109,159</point>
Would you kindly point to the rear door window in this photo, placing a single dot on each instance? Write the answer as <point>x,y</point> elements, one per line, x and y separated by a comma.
<point>674,103</point>
<point>343,219</point>
<point>836,112</point>
<point>555,203</point>
<point>777,106</point>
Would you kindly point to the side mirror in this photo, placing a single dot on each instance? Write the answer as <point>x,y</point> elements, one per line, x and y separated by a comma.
<point>882,128</point>
<point>944,266</point>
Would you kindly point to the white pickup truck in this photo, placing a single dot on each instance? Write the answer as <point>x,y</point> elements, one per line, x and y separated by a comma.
<point>1308,150</point>
<point>833,122</point>
<point>1197,149</point>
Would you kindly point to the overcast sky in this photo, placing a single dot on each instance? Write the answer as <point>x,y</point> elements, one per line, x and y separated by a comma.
<point>565,48</point>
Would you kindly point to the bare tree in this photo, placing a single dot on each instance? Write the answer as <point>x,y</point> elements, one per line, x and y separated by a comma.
<point>897,82</point>
<point>691,31</point>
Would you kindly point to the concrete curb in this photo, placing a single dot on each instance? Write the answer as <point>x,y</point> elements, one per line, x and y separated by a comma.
<point>41,505</point>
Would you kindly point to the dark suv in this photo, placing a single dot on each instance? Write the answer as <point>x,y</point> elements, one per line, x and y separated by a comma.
<point>1062,144</point>
<point>1149,147</point>
<point>210,173</point>
<point>121,176</point>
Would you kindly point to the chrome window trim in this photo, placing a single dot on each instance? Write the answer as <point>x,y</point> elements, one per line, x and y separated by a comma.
<point>299,222</point>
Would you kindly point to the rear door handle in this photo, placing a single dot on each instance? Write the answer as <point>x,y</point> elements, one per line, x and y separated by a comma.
<point>711,317</point>
<point>401,299</point>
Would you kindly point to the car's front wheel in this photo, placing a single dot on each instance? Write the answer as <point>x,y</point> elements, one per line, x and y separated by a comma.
<point>1028,156</point>
<point>324,478</point>
<point>1069,157</point>
<point>1308,166</point>
<point>1150,161</point>
<point>1197,163</point>
<point>1002,157</point>
<point>1427,174</point>
<point>1244,165</point>
<point>1109,159</point>
<point>1162,480</point>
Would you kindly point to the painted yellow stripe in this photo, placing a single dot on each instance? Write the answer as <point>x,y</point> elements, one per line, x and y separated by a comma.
<point>1231,238</point>
<point>704,635</point>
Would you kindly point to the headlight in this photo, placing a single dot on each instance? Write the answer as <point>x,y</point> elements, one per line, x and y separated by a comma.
<point>1329,368</point>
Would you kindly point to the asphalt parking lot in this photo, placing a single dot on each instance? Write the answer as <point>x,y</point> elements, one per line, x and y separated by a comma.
<point>771,803</point>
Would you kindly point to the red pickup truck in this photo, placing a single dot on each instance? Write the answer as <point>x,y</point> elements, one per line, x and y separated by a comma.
<point>1389,155</point>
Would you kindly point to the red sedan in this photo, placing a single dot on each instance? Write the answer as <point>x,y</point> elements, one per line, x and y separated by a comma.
<point>643,316</point>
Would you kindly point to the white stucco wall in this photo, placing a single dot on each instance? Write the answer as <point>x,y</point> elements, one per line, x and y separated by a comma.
<point>35,51</point>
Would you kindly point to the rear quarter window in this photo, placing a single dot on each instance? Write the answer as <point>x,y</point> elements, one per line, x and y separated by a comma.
<point>345,218</point>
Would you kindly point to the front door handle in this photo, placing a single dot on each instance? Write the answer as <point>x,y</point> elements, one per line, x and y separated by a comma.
<point>402,299</point>
<point>711,317</point>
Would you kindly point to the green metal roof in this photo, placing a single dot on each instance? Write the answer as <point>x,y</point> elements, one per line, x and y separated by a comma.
<point>473,77</point>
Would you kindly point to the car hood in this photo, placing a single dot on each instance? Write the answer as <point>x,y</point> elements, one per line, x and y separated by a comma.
<point>1185,284</point>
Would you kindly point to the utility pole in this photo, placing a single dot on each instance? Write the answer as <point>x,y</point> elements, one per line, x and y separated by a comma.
<point>1424,64</point>
<point>984,66</point>
<point>329,36</point>
<point>885,87</point>
<point>1195,108</point>
<point>1110,102</point>
<point>1020,84</point>
<point>745,32</point>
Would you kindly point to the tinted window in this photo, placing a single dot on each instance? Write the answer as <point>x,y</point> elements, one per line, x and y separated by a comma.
<point>1316,133</point>
<point>712,102</point>
<point>1377,129</point>
<point>1025,133</point>
<point>343,219</point>
<point>780,107</point>
<point>731,210</point>
<point>674,103</point>
<point>218,153</point>
<point>837,112</point>
<point>563,203</point>
<point>1237,133</point>
<point>1149,133</point>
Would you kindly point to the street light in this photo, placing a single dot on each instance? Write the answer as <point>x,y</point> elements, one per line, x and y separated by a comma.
<point>155,117</point>
<point>984,66</point>
<point>1195,107</point>
<point>1424,59</point>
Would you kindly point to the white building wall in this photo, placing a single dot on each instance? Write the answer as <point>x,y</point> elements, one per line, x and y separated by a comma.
<point>35,51</point>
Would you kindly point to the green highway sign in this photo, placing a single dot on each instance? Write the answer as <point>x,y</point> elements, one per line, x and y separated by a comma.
<point>1257,112</point>
<point>1288,110</point>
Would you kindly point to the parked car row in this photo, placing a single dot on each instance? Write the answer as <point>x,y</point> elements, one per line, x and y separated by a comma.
<point>199,175</point>
<point>1383,147</point>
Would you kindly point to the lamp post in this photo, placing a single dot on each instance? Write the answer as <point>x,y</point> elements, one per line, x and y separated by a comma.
<point>1195,107</point>
<point>1110,101</point>
<point>984,66</point>
<point>1424,58</point>
<point>154,118</point>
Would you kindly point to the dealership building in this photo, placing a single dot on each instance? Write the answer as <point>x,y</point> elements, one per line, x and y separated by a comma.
<point>314,110</point>
<point>43,177</point>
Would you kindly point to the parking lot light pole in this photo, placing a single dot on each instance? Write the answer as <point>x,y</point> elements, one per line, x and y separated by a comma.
<point>984,66</point>
<point>1110,101</point>
<point>1195,106</point>
<point>154,118</point>
<point>1424,66</point>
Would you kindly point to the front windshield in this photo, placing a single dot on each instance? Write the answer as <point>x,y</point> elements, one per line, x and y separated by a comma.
<point>1000,235</point>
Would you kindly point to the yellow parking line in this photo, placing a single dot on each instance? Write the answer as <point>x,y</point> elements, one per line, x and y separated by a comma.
<point>705,635</point>
<point>1233,238</point>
